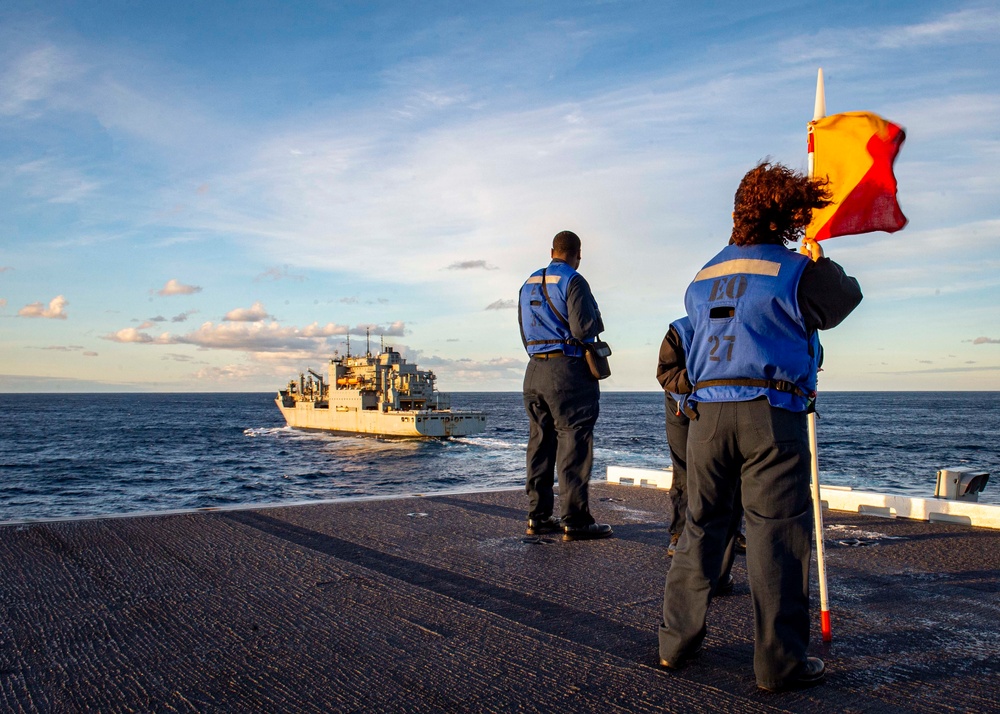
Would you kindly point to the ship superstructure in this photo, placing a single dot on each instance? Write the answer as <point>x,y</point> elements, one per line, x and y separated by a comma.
<point>374,394</point>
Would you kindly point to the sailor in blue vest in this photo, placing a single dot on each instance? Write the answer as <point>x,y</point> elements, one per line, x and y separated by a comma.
<point>557,312</point>
<point>672,374</point>
<point>755,309</point>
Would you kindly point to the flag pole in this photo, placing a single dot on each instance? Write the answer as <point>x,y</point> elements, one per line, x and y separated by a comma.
<point>819,111</point>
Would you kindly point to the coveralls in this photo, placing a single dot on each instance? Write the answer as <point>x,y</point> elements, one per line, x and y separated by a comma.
<point>561,398</point>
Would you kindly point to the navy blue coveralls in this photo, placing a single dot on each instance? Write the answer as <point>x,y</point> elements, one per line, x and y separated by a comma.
<point>561,397</point>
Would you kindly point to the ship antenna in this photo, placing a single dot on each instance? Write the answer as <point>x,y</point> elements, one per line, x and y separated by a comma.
<point>381,343</point>
<point>368,341</point>
<point>348,344</point>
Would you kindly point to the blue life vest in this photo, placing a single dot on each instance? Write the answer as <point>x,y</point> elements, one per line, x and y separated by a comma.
<point>685,331</point>
<point>750,339</point>
<point>543,330</point>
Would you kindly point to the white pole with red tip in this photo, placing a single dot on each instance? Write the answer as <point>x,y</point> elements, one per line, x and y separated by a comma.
<point>824,605</point>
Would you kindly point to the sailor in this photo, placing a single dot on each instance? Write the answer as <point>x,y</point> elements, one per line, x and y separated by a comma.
<point>672,374</point>
<point>755,308</point>
<point>557,312</point>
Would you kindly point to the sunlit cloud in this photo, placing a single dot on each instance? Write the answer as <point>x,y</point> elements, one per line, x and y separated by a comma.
<point>255,313</point>
<point>176,287</point>
<point>259,336</point>
<point>5,268</point>
<point>985,341</point>
<point>396,329</point>
<point>131,335</point>
<point>54,311</point>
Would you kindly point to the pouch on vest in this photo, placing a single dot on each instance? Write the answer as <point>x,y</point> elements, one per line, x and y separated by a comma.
<point>596,354</point>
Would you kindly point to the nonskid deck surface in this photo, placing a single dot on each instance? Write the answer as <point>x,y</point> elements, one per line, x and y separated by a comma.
<point>441,604</point>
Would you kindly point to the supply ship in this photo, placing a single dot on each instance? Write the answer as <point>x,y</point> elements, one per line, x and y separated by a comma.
<point>374,394</point>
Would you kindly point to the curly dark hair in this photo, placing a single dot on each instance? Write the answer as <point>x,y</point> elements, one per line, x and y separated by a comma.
<point>774,205</point>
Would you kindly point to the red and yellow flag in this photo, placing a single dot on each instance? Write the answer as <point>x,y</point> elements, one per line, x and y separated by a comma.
<point>855,151</point>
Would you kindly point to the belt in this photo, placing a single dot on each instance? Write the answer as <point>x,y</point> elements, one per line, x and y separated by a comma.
<point>548,355</point>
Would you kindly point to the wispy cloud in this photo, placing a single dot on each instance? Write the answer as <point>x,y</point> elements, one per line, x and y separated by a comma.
<point>502,305</point>
<point>970,25</point>
<point>985,341</point>
<point>56,309</point>
<point>5,268</point>
<point>49,181</point>
<point>32,78</point>
<point>472,265</point>
<point>275,274</point>
<point>176,287</point>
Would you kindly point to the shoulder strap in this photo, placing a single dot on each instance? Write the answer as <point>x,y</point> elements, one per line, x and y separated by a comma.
<point>545,292</point>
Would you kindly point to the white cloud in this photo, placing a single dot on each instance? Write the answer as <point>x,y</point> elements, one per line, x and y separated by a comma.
<point>54,311</point>
<point>502,305</point>
<point>176,287</point>
<point>134,336</point>
<point>255,313</point>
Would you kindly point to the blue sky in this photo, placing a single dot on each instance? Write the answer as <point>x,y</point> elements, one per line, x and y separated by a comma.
<point>211,196</point>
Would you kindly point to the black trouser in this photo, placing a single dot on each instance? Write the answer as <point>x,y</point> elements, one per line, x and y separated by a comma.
<point>677,440</point>
<point>765,452</point>
<point>562,400</point>
<point>677,437</point>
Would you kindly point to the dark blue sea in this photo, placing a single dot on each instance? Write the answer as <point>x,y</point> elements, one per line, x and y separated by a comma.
<point>67,455</point>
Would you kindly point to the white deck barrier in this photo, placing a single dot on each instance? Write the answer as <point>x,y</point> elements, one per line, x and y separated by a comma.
<point>843,498</point>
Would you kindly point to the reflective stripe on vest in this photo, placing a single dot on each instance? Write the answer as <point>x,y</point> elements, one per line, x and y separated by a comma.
<point>750,339</point>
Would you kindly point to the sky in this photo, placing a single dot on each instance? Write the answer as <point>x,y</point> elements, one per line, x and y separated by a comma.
<point>212,196</point>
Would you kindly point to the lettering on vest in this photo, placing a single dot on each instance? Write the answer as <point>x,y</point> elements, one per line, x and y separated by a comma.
<point>731,287</point>
<point>730,341</point>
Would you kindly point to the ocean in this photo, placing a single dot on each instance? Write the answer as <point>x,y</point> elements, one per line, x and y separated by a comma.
<point>71,455</point>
